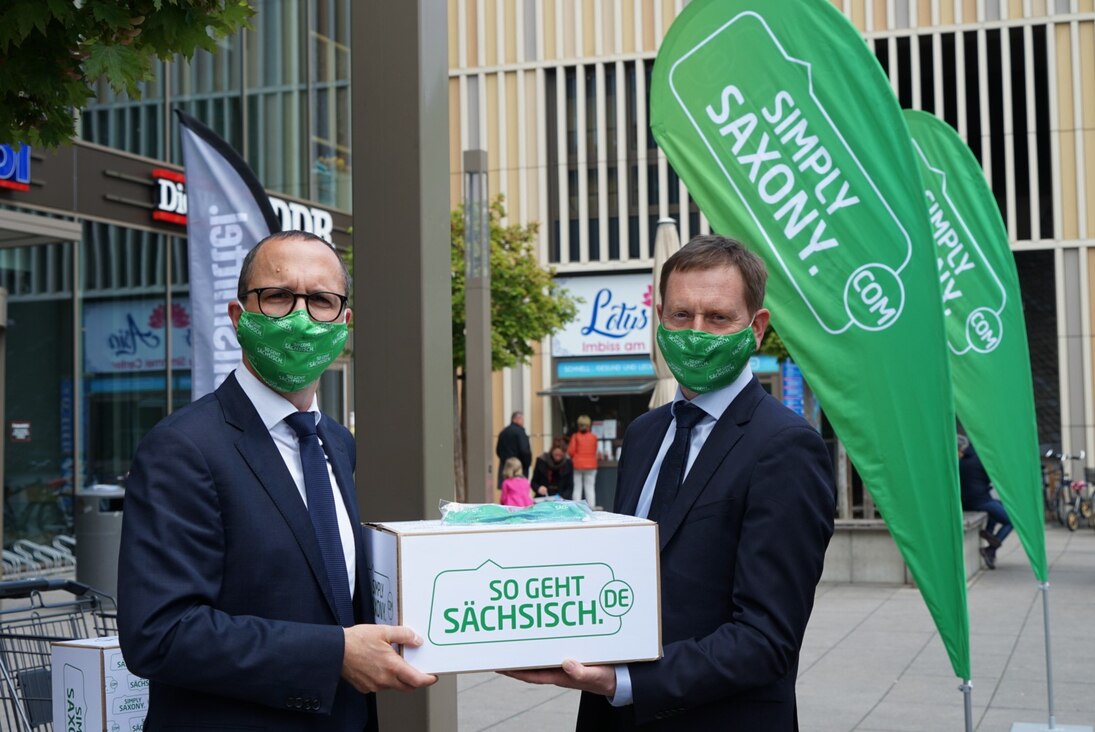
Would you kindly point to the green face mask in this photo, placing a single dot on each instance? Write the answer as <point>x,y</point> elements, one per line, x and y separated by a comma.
<point>289,353</point>
<point>703,362</point>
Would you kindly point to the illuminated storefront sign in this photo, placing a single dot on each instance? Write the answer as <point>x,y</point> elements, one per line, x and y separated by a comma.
<point>604,368</point>
<point>613,319</point>
<point>171,206</point>
<point>15,167</point>
<point>126,336</point>
<point>170,196</point>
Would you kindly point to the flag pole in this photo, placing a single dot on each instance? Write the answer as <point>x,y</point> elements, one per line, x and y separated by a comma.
<point>966,687</point>
<point>1044,587</point>
<point>1053,726</point>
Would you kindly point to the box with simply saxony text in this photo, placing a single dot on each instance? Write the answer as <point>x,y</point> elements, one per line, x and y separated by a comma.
<point>491,597</point>
<point>93,689</point>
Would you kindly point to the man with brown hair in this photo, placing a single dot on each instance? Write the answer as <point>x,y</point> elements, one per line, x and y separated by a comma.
<point>743,492</point>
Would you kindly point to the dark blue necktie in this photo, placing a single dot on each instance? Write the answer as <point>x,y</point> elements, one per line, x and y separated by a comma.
<point>676,459</point>
<point>321,507</point>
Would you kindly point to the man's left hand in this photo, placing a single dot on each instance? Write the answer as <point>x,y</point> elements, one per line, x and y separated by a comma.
<point>573,675</point>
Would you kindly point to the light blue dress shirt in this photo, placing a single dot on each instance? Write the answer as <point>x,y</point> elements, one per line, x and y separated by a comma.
<point>713,403</point>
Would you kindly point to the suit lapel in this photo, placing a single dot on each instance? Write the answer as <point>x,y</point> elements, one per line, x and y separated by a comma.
<point>726,434</point>
<point>260,453</point>
<point>627,497</point>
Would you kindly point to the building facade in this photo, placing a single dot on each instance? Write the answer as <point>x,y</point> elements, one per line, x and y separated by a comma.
<point>557,94</point>
<point>94,306</point>
<point>93,251</point>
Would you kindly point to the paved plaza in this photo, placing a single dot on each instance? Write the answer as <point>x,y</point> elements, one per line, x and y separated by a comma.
<point>872,661</point>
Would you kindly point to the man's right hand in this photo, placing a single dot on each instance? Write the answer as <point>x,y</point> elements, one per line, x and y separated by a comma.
<point>541,491</point>
<point>371,664</point>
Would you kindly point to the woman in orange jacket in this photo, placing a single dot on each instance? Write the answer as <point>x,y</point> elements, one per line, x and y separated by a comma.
<point>583,453</point>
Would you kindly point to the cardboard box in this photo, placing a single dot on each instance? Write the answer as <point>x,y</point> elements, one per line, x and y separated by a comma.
<point>492,597</point>
<point>93,689</point>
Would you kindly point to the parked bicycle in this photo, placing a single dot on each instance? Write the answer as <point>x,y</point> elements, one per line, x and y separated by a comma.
<point>1049,493</point>
<point>1071,499</point>
<point>39,510</point>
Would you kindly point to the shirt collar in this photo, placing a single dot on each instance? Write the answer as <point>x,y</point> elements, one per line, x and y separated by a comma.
<point>271,406</point>
<point>716,402</point>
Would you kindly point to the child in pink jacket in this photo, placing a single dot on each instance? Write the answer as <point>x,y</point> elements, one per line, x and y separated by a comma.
<point>516,490</point>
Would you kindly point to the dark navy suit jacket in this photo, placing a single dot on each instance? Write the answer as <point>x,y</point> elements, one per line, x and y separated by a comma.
<point>742,549</point>
<point>223,598</point>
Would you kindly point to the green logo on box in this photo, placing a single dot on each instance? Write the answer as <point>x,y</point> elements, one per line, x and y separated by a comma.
<point>383,602</point>
<point>494,604</point>
<point>75,703</point>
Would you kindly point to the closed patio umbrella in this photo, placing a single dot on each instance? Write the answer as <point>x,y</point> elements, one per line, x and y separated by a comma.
<point>666,241</point>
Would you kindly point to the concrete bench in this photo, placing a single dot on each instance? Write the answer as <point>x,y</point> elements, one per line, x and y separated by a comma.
<point>863,552</point>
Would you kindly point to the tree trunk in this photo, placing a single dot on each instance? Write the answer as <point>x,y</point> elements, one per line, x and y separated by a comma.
<point>460,478</point>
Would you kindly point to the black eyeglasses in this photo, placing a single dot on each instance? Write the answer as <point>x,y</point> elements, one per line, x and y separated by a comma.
<point>277,302</point>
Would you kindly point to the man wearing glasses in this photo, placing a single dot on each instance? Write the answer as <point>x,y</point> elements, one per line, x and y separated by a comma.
<point>242,584</point>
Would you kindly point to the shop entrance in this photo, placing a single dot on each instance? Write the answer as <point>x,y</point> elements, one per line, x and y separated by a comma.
<point>36,357</point>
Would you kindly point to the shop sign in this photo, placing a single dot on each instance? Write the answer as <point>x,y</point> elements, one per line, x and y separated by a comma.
<point>15,167</point>
<point>126,336</point>
<point>171,206</point>
<point>19,430</point>
<point>763,364</point>
<point>604,368</point>
<point>298,217</point>
<point>613,319</point>
<point>170,196</point>
<point>793,388</point>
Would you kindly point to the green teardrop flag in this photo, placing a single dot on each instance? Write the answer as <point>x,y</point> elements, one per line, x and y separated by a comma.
<point>782,125</point>
<point>986,334</point>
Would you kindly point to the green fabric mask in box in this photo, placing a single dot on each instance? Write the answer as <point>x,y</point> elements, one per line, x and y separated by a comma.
<point>292,352</point>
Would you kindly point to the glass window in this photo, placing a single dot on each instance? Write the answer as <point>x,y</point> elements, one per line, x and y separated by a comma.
<point>329,80</point>
<point>38,412</point>
<point>133,125</point>
<point>126,324</point>
<point>334,391</point>
<point>1039,286</point>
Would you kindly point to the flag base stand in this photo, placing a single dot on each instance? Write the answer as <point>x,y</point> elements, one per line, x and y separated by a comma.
<point>1052,725</point>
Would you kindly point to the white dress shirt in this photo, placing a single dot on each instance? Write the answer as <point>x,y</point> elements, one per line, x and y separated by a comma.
<point>713,403</point>
<point>273,408</point>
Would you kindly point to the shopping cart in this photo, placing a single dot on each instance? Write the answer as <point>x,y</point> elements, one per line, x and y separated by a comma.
<point>30,620</point>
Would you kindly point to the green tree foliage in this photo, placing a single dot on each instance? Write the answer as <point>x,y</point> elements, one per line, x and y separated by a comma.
<point>772,344</point>
<point>526,303</point>
<point>53,51</point>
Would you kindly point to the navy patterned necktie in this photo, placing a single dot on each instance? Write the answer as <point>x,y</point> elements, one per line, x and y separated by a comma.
<point>676,458</point>
<point>321,508</point>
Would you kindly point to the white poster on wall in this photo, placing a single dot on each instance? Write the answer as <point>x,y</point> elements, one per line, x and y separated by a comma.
<point>613,319</point>
<point>126,336</point>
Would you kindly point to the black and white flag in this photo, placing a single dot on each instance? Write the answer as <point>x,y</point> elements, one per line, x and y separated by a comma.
<point>228,213</point>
